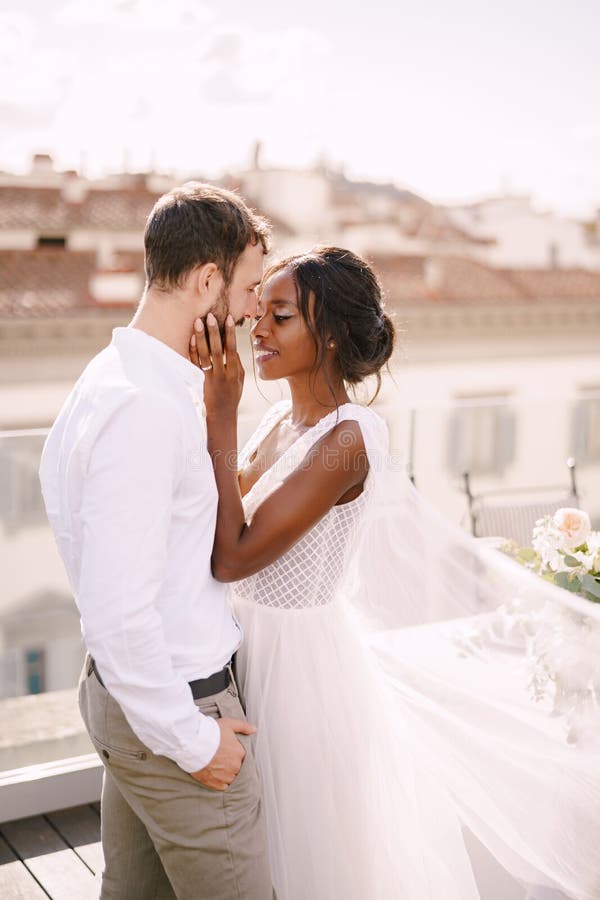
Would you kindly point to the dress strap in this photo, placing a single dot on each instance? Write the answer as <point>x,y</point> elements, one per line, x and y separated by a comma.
<point>375,435</point>
<point>373,427</point>
<point>266,424</point>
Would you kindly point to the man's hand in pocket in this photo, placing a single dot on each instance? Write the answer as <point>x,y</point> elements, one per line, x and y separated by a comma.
<point>227,761</point>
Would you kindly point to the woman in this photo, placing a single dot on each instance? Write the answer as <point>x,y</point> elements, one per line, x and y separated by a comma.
<point>380,745</point>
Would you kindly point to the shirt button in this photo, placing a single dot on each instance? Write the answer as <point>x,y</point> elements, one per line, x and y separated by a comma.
<point>106,754</point>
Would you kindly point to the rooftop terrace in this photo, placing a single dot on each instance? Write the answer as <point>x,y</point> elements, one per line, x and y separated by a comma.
<point>57,855</point>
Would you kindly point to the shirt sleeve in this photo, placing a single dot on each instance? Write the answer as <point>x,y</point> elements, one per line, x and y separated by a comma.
<point>134,466</point>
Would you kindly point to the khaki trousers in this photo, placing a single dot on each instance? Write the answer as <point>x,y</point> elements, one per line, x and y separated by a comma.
<point>164,835</point>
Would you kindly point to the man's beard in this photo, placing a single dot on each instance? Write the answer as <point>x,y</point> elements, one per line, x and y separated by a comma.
<point>221,310</point>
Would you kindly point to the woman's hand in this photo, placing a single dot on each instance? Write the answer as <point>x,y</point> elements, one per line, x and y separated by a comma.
<point>223,375</point>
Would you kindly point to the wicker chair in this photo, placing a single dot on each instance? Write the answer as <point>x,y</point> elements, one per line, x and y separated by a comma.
<point>513,513</point>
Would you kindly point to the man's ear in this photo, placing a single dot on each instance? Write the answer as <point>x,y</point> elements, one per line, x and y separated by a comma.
<point>209,282</point>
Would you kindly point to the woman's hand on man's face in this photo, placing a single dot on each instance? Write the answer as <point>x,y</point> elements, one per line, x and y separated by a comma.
<point>223,373</point>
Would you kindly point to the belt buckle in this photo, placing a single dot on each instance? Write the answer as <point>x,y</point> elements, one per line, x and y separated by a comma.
<point>232,686</point>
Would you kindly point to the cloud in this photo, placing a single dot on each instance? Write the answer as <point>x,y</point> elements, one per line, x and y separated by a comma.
<point>16,35</point>
<point>150,15</point>
<point>586,131</point>
<point>226,88</point>
<point>194,97</point>
<point>258,66</point>
<point>223,46</point>
<point>34,77</point>
<point>25,117</point>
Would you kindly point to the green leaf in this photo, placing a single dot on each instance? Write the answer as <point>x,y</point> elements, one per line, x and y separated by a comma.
<point>562,580</point>
<point>591,586</point>
<point>568,581</point>
<point>527,554</point>
<point>571,561</point>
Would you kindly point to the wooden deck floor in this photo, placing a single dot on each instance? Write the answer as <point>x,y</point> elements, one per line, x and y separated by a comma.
<point>56,855</point>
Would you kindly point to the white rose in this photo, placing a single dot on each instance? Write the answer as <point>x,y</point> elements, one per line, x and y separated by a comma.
<point>574,525</point>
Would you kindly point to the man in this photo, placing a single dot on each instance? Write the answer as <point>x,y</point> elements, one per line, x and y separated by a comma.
<point>131,497</point>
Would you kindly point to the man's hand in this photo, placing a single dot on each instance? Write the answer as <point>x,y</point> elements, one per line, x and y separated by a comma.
<point>227,761</point>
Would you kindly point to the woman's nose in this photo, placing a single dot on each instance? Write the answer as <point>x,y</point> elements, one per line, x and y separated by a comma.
<point>259,329</point>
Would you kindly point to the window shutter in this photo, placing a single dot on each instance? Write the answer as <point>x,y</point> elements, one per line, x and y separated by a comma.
<point>455,457</point>
<point>506,433</point>
<point>580,431</point>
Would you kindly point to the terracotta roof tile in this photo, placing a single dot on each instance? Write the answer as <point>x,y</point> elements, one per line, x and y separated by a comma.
<point>466,282</point>
<point>41,208</point>
<point>44,282</point>
<point>123,210</point>
<point>47,211</point>
<point>572,284</point>
<point>54,281</point>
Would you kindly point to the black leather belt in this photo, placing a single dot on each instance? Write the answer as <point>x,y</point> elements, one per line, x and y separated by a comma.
<point>201,688</point>
<point>214,684</point>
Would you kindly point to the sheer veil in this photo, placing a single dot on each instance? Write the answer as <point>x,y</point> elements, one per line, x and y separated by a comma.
<point>497,672</point>
<point>436,702</point>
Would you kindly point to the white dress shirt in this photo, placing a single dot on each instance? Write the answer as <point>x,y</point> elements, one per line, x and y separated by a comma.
<point>131,497</point>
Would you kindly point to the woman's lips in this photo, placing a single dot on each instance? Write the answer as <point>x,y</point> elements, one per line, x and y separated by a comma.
<point>262,356</point>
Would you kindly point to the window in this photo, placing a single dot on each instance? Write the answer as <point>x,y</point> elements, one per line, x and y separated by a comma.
<point>585,436</point>
<point>51,241</point>
<point>35,671</point>
<point>481,435</point>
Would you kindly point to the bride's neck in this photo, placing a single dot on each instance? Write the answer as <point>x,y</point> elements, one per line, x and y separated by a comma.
<point>311,402</point>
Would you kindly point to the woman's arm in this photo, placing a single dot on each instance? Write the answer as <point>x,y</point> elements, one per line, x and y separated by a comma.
<point>337,463</point>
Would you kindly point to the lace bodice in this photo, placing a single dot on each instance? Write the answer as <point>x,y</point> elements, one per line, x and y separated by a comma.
<point>308,574</point>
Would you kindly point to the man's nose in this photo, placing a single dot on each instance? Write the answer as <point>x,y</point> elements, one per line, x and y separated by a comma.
<point>251,307</point>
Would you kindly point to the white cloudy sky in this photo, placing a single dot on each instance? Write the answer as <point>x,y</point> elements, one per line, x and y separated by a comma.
<point>453,99</point>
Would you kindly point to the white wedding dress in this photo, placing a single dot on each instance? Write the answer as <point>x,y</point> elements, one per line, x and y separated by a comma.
<point>395,764</point>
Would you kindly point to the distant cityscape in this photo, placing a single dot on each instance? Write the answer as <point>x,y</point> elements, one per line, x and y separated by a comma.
<point>500,249</point>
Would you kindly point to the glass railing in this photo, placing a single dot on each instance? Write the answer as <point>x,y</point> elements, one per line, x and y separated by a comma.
<point>41,651</point>
<point>40,641</point>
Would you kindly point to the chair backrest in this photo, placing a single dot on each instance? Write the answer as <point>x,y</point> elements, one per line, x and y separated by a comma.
<point>513,513</point>
<point>513,520</point>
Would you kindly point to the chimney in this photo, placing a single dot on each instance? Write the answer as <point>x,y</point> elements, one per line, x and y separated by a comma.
<point>256,155</point>
<point>74,188</point>
<point>42,164</point>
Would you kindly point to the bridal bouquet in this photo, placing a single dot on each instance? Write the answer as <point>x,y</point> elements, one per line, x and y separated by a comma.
<point>563,642</point>
<point>564,551</point>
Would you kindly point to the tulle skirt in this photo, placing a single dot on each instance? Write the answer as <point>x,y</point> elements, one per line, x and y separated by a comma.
<point>391,767</point>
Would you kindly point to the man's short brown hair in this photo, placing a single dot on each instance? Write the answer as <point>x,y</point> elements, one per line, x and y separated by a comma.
<point>196,224</point>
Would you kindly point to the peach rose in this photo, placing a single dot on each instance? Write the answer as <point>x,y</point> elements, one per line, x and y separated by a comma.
<point>574,524</point>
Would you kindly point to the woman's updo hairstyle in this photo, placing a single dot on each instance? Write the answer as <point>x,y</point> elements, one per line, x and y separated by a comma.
<point>348,309</point>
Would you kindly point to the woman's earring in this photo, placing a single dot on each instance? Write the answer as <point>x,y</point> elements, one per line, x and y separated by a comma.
<point>331,344</point>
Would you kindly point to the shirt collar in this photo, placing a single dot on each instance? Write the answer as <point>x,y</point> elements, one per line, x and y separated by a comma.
<point>135,337</point>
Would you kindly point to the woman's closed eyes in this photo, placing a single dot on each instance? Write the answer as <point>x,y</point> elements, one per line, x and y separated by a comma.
<point>277,318</point>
